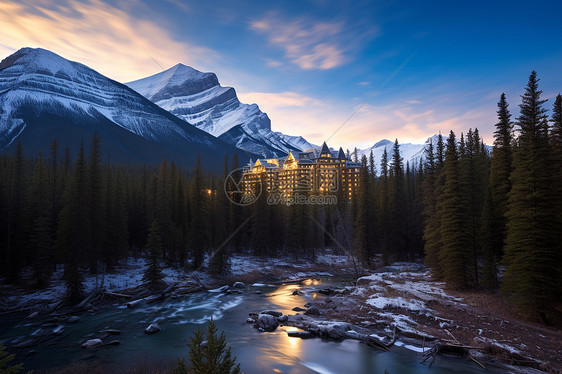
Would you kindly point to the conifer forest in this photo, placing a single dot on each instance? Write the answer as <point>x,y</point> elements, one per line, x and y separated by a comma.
<point>479,219</point>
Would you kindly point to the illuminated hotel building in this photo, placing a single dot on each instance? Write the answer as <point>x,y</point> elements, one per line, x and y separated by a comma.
<point>310,171</point>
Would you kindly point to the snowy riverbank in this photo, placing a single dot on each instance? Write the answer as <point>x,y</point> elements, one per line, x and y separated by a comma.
<point>401,298</point>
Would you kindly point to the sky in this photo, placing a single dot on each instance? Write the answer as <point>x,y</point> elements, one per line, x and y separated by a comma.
<point>349,72</point>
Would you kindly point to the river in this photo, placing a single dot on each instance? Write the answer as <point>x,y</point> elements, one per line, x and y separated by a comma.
<point>257,352</point>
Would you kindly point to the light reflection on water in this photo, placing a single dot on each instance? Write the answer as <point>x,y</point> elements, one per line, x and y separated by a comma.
<point>257,352</point>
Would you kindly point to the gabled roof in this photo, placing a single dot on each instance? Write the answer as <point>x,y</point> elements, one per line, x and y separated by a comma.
<point>341,154</point>
<point>325,150</point>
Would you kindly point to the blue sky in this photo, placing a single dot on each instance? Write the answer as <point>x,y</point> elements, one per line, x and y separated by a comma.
<point>387,69</point>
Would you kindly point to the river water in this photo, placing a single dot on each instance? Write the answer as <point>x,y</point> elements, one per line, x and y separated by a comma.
<point>256,352</point>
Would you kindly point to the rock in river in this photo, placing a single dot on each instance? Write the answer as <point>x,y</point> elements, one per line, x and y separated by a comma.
<point>267,322</point>
<point>312,311</point>
<point>273,313</point>
<point>153,328</point>
<point>238,285</point>
<point>92,343</point>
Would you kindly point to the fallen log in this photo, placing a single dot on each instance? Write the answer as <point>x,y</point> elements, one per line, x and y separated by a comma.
<point>86,300</point>
<point>115,294</point>
<point>135,303</point>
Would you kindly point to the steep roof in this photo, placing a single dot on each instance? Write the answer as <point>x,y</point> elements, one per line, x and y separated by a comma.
<point>325,150</point>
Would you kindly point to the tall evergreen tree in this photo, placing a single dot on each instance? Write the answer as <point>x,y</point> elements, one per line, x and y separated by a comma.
<point>494,222</point>
<point>474,178</point>
<point>532,276</point>
<point>383,207</point>
<point>153,273</point>
<point>73,239</point>
<point>41,236</point>
<point>199,220</point>
<point>95,203</point>
<point>397,237</point>
<point>454,255</point>
<point>361,241</point>
<point>432,227</point>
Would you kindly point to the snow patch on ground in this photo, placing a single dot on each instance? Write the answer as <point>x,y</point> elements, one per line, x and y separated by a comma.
<point>381,302</point>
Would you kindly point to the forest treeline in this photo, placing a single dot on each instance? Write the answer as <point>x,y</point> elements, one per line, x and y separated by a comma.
<point>480,220</point>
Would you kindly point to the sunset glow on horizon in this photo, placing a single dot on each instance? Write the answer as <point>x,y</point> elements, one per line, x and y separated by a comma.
<point>385,71</point>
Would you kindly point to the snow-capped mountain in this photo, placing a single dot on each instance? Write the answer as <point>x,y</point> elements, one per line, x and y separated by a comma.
<point>44,96</point>
<point>199,99</point>
<point>411,153</point>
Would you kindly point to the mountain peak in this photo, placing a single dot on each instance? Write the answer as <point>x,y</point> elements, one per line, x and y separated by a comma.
<point>38,60</point>
<point>382,143</point>
<point>169,83</point>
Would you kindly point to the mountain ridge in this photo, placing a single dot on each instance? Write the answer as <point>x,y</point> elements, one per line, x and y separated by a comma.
<point>199,98</point>
<point>44,96</point>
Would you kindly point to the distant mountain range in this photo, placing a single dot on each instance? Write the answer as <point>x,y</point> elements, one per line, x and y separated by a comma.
<point>44,96</point>
<point>178,114</point>
<point>199,99</point>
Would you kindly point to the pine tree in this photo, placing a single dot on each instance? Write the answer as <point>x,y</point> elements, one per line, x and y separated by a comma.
<point>95,203</point>
<point>361,241</point>
<point>5,360</point>
<point>218,261</point>
<point>532,276</point>
<point>153,273</point>
<point>116,241</point>
<point>383,207</point>
<point>494,222</point>
<point>214,357</point>
<point>474,177</point>
<point>73,239</point>
<point>454,255</point>
<point>397,237</point>
<point>17,194</point>
<point>199,220</point>
<point>41,235</point>
<point>432,227</point>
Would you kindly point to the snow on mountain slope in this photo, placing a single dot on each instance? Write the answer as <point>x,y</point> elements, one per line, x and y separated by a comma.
<point>199,99</point>
<point>411,153</point>
<point>43,96</point>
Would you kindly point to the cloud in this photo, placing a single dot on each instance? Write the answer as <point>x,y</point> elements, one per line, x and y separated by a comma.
<point>317,120</point>
<point>106,38</point>
<point>308,44</point>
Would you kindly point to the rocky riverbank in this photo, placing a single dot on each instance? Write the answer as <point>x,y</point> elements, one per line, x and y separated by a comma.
<point>401,303</point>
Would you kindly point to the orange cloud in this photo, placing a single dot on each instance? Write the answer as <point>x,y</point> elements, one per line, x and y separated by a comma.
<point>96,34</point>
<point>317,120</point>
<point>306,44</point>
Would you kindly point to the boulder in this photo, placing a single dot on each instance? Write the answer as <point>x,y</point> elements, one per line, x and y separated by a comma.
<point>92,343</point>
<point>273,313</point>
<point>250,320</point>
<point>325,291</point>
<point>296,292</point>
<point>299,309</point>
<point>267,322</point>
<point>238,285</point>
<point>334,330</point>
<point>300,334</point>
<point>153,328</point>
<point>312,311</point>
<point>283,318</point>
